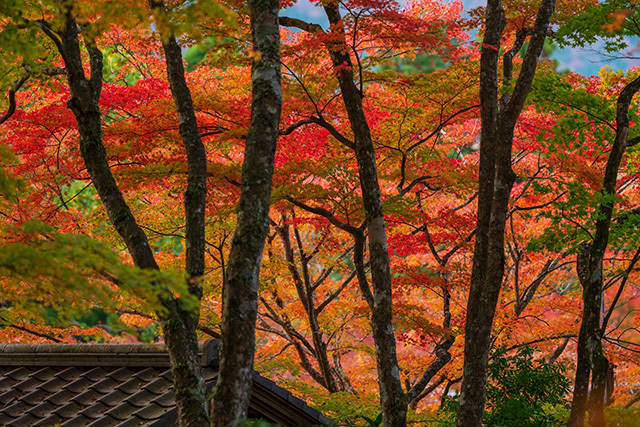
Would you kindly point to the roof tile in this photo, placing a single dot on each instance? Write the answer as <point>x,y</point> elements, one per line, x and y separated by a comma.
<point>147,375</point>
<point>25,420</point>
<point>79,385</point>
<point>69,410</point>
<point>54,384</point>
<point>60,398</point>
<point>141,398</point>
<point>44,374</point>
<point>123,411</point>
<point>133,422</point>
<point>35,397</point>
<point>5,384</point>
<point>113,398</point>
<point>17,409</point>
<point>159,386</point>
<point>150,412</point>
<point>20,373</point>
<point>105,386</point>
<point>95,411</point>
<point>9,396</point>
<point>167,400</point>
<point>42,410</point>
<point>106,421</point>
<point>210,374</point>
<point>51,420</point>
<point>28,385</point>
<point>131,386</point>
<point>122,374</point>
<point>77,421</point>
<point>69,374</point>
<point>88,397</point>
<point>96,374</point>
<point>5,419</point>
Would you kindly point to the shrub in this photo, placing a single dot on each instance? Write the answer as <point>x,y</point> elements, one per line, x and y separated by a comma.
<point>521,392</point>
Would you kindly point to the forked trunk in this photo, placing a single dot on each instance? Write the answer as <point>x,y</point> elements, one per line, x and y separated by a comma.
<point>392,398</point>
<point>495,182</point>
<point>590,272</point>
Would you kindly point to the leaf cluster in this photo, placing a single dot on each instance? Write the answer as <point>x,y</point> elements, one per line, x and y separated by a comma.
<point>522,391</point>
<point>613,21</point>
<point>60,270</point>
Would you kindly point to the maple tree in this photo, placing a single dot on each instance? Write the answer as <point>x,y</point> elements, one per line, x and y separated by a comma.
<point>240,290</point>
<point>591,246</point>
<point>590,254</point>
<point>355,138</point>
<point>179,314</point>
<point>499,115</point>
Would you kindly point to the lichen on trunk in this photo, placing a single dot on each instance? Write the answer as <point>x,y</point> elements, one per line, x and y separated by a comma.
<point>240,290</point>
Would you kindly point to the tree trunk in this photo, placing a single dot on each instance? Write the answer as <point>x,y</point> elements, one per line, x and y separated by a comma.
<point>240,291</point>
<point>583,366</point>
<point>495,183</point>
<point>180,330</point>
<point>179,322</point>
<point>590,272</point>
<point>393,401</point>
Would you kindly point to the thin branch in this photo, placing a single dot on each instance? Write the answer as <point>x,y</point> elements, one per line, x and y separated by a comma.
<point>323,123</point>
<point>289,129</point>
<point>335,293</point>
<point>12,98</point>
<point>329,216</point>
<point>304,88</point>
<point>605,321</point>
<point>299,23</point>
<point>30,331</point>
<point>539,340</point>
<point>440,126</point>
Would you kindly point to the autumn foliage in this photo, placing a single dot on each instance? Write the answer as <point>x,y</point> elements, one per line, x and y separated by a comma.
<point>66,277</point>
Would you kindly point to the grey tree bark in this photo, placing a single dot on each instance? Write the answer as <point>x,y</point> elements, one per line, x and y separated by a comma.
<point>179,322</point>
<point>240,291</point>
<point>181,337</point>
<point>498,120</point>
<point>591,358</point>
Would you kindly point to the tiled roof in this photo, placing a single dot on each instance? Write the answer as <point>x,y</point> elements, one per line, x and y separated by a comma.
<point>116,385</point>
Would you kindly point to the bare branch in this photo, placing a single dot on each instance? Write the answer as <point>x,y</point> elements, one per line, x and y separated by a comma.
<point>299,23</point>
<point>323,123</point>
<point>12,98</point>
<point>605,321</point>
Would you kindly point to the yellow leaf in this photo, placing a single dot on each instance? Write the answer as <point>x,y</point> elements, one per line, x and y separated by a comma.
<point>256,55</point>
<point>618,18</point>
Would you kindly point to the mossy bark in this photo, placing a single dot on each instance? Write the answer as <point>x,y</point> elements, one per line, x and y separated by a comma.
<point>240,291</point>
<point>498,120</point>
<point>179,322</point>
<point>180,336</point>
<point>591,358</point>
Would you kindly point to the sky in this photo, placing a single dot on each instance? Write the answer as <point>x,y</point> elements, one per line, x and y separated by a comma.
<point>586,61</point>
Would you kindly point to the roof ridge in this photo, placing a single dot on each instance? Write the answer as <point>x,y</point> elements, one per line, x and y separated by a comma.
<point>98,354</point>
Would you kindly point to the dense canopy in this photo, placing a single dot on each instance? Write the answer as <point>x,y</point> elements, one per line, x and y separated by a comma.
<point>430,163</point>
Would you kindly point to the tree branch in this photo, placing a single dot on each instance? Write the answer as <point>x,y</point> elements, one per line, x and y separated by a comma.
<point>299,23</point>
<point>12,98</point>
